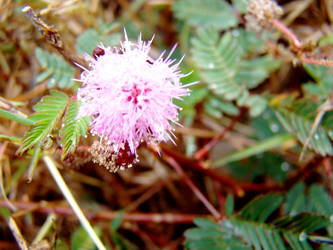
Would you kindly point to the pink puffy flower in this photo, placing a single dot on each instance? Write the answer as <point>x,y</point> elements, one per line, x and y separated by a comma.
<point>130,97</point>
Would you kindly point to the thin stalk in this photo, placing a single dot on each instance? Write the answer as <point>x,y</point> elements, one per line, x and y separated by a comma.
<point>45,228</point>
<point>285,30</point>
<point>2,186</point>
<point>70,199</point>
<point>298,46</point>
<point>15,117</point>
<point>17,234</point>
<point>34,161</point>
<point>173,163</point>
<point>193,187</point>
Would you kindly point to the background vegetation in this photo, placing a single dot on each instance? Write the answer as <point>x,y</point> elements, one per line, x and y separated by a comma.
<point>252,164</point>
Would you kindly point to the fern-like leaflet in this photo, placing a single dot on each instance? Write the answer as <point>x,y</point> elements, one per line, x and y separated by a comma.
<point>57,70</point>
<point>51,111</point>
<point>206,13</point>
<point>228,74</point>
<point>300,121</point>
<point>251,228</point>
<point>47,114</point>
<point>72,128</point>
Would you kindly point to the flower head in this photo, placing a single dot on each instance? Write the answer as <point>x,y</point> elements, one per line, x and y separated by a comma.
<point>130,96</point>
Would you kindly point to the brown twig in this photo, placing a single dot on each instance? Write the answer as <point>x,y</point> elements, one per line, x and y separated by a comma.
<point>208,147</point>
<point>238,187</point>
<point>193,187</point>
<point>173,163</point>
<point>106,215</point>
<point>38,90</point>
<point>52,36</point>
<point>303,172</point>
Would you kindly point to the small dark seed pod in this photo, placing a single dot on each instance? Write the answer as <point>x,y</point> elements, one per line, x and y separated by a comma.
<point>98,51</point>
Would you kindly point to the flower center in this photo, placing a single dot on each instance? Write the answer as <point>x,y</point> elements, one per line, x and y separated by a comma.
<point>134,92</point>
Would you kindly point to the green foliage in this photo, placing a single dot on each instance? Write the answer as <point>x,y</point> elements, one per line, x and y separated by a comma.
<point>216,107</point>
<point>81,240</point>
<point>209,235</point>
<point>91,38</point>
<point>251,227</point>
<point>229,205</point>
<point>313,199</point>
<point>228,74</point>
<point>323,81</point>
<point>320,200</point>
<point>298,119</point>
<point>267,164</point>
<point>58,72</point>
<point>72,128</point>
<point>188,103</point>
<point>240,5</point>
<point>266,125</point>
<point>47,114</point>
<point>296,200</point>
<point>120,241</point>
<point>260,147</point>
<point>206,13</point>
<point>260,208</point>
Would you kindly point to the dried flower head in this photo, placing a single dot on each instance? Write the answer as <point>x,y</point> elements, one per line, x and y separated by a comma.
<point>260,12</point>
<point>130,97</point>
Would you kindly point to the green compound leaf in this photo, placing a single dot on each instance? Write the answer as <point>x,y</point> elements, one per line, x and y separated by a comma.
<point>72,128</point>
<point>47,114</point>
<point>300,124</point>
<point>321,201</point>
<point>249,228</point>
<point>323,84</point>
<point>216,107</point>
<point>260,208</point>
<point>222,66</point>
<point>240,5</point>
<point>206,13</point>
<point>56,70</point>
<point>217,60</point>
<point>91,38</point>
<point>295,200</point>
<point>251,223</point>
<point>210,235</point>
<point>303,222</point>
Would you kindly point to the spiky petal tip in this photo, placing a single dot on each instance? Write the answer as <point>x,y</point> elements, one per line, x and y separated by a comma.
<point>130,95</point>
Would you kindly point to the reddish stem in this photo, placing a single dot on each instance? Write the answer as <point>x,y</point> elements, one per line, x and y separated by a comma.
<point>219,195</point>
<point>173,163</point>
<point>208,147</point>
<point>297,44</point>
<point>323,62</point>
<point>285,30</point>
<point>328,168</point>
<point>46,208</point>
<point>192,186</point>
<point>238,187</point>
